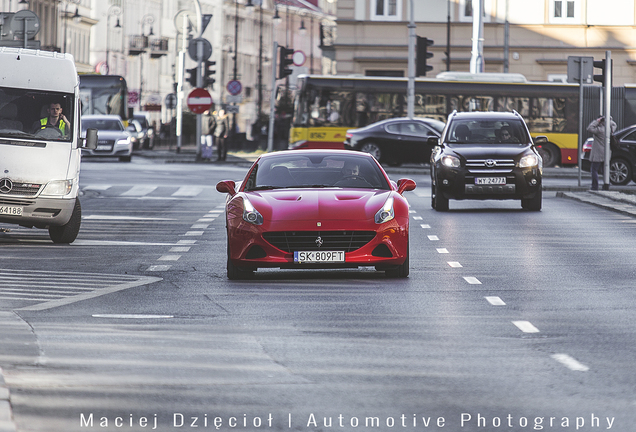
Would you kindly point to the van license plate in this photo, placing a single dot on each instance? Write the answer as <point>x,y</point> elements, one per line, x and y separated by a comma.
<point>490,181</point>
<point>11,210</point>
<point>319,256</point>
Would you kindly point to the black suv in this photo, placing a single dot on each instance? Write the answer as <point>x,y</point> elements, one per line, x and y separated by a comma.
<point>486,155</point>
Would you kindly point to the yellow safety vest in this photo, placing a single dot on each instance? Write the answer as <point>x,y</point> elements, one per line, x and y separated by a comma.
<point>60,125</point>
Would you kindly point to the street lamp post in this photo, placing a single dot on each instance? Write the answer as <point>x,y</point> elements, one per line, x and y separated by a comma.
<point>147,19</point>
<point>113,10</point>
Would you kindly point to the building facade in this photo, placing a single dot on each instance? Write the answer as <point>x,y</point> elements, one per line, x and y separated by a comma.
<point>373,35</point>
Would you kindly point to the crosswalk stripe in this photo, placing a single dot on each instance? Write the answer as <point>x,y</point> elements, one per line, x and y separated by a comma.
<point>139,190</point>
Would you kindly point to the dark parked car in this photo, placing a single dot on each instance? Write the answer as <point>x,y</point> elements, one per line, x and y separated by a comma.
<point>486,155</point>
<point>396,140</point>
<point>148,139</point>
<point>623,161</point>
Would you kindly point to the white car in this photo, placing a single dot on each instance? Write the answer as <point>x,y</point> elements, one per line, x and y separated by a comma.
<point>113,139</point>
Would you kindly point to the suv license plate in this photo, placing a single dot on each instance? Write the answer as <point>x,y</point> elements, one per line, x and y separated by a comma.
<point>318,256</point>
<point>490,181</point>
<point>11,210</point>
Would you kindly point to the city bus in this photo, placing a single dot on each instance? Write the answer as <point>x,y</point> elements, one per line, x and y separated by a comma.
<point>325,107</point>
<point>104,94</point>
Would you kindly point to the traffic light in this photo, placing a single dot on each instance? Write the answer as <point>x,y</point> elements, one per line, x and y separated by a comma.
<point>601,64</point>
<point>422,56</point>
<point>192,76</point>
<point>285,60</point>
<point>208,80</point>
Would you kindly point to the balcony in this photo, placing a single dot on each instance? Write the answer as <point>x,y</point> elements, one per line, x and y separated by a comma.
<point>158,47</point>
<point>137,44</point>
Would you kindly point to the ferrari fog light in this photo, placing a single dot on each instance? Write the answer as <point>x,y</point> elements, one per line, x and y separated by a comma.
<point>386,213</point>
<point>250,214</point>
<point>58,187</point>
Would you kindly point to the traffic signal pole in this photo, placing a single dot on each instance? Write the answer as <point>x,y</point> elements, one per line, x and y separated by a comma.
<point>410,110</point>
<point>608,118</point>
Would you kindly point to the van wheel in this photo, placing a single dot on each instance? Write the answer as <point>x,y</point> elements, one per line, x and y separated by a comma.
<point>68,232</point>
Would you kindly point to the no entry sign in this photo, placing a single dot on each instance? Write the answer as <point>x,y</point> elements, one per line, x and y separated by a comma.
<point>199,100</point>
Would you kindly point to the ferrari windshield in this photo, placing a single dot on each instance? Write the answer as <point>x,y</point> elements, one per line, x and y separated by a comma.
<point>316,170</point>
<point>488,132</point>
<point>33,114</point>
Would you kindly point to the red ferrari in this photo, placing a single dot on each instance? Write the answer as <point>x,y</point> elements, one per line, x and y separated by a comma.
<point>317,209</point>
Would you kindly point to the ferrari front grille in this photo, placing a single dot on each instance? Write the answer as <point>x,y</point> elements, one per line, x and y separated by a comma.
<point>290,241</point>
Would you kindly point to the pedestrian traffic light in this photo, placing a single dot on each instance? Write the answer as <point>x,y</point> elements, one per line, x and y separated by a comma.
<point>601,64</point>
<point>422,56</point>
<point>285,60</point>
<point>208,80</point>
<point>192,76</point>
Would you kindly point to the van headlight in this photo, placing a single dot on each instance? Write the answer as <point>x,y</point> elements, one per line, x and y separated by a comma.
<point>250,214</point>
<point>58,187</point>
<point>386,213</point>
<point>528,161</point>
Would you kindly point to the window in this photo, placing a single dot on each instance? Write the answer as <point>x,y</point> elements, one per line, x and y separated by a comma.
<point>564,11</point>
<point>386,10</point>
<point>466,10</point>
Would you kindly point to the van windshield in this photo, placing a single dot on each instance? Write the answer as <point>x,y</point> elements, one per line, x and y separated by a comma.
<point>38,115</point>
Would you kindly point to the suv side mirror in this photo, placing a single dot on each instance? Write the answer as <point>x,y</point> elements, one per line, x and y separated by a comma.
<point>433,141</point>
<point>540,139</point>
<point>90,142</point>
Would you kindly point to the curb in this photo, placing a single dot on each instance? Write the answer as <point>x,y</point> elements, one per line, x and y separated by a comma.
<point>614,201</point>
<point>6,413</point>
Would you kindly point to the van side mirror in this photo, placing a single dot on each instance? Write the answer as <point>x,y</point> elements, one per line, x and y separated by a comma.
<point>90,142</point>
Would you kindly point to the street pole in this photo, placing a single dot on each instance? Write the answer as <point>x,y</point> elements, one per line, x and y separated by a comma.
<point>608,118</point>
<point>272,102</point>
<point>235,71</point>
<point>411,66</point>
<point>180,76</point>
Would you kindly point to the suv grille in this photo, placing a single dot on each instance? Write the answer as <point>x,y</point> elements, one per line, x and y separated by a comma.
<point>290,241</point>
<point>490,165</point>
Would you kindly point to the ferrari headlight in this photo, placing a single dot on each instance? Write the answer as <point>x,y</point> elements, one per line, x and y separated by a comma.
<point>250,214</point>
<point>450,161</point>
<point>528,161</point>
<point>386,213</point>
<point>58,187</point>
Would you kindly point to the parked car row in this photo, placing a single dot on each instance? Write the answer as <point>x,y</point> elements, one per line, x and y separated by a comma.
<point>623,160</point>
<point>115,139</point>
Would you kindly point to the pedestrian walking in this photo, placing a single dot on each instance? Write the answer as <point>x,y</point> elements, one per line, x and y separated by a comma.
<point>220,135</point>
<point>208,125</point>
<point>597,155</point>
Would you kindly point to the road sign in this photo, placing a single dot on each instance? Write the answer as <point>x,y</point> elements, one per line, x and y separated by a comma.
<point>299,58</point>
<point>199,101</point>
<point>200,49</point>
<point>171,101</point>
<point>232,109</point>
<point>234,87</point>
<point>234,98</point>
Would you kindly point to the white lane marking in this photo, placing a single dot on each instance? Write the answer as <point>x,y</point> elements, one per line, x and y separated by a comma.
<point>472,280</point>
<point>526,326</point>
<point>194,233</point>
<point>207,219</point>
<point>417,217</point>
<point>199,226</point>
<point>81,242</point>
<point>169,258</point>
<point>158,268</point>
<point>188,191</point>
<point>139,190</point>
<point>180,249</point>
<point>570,362</point>
<point>132,316</point>
<point>112,217</point>
<point>101,187</point>
<point>433,238</point>
<point>442,250</point>
<point>412,211</point>
<point>495,301</point>
<point>454,264</point>
<point>188,242</point>
<point>216,211</point>
<point>425,226</point>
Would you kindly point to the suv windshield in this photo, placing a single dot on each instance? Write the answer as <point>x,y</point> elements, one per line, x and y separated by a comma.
<point>487,131</point>
<point>35,114</point>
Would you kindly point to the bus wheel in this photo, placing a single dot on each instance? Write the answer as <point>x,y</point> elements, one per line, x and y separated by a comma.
<point>549,153</point>
<point>68,233</point>
<point>373,149</point>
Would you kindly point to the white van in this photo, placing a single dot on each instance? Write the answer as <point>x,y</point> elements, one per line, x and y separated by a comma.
<point>39,156</point>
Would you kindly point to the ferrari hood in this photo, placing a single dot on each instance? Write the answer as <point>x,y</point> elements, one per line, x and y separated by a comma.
<point>318,204</point>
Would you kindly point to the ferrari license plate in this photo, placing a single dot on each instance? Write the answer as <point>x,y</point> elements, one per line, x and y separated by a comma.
<point>11,210</point>
<point>319,256</point>
<point>490,181</point>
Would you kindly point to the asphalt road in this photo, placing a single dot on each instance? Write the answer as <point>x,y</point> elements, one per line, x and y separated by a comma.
<point>510,320</point>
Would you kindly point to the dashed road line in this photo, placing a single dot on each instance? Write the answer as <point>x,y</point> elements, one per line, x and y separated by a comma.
<point>472,280</point>
<point>454,264</point>
<point>495,301</point>
<point>526,326</point>
<point>570,362</point>
<point>433,238</point>
<point>442,250</point>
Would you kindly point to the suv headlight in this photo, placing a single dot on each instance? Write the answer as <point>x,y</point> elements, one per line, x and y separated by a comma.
<point>450,161</point>
<point>58,187</point>
<point>528,161</point>
<point>386,213</point>
<point>250,214</point>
